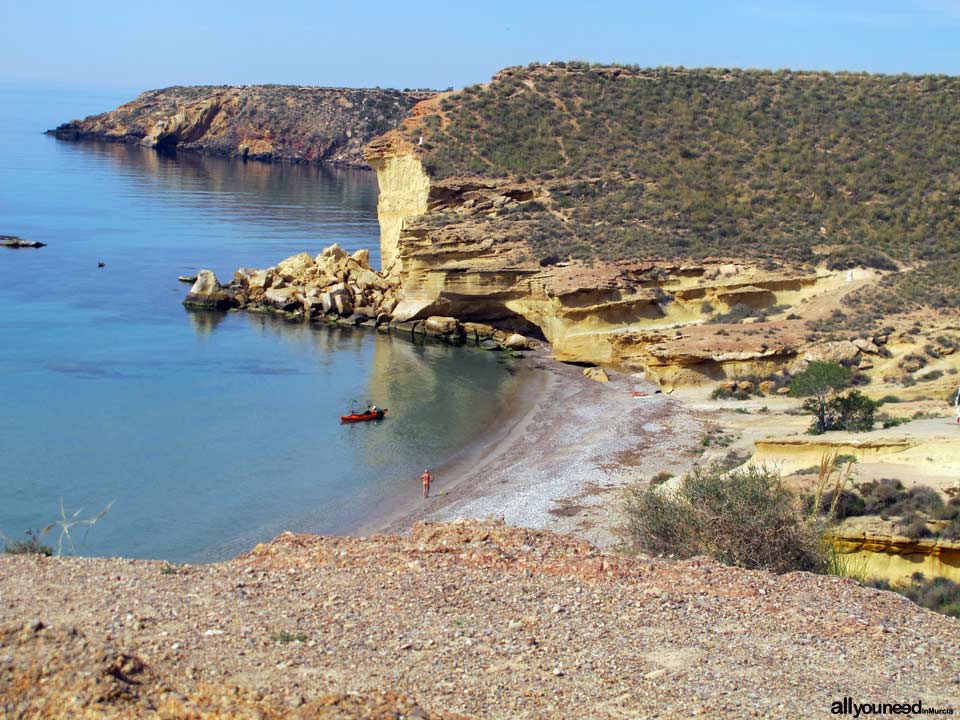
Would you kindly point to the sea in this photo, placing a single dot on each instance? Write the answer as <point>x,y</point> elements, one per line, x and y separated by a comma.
<point>203,433</point>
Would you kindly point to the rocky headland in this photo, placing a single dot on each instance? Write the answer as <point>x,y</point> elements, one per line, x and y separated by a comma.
<point>259,122</point>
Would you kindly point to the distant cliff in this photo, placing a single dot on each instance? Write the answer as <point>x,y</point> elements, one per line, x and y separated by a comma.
<point>262,122</point>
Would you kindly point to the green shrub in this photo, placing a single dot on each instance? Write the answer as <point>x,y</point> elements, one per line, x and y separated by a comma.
<point>819,382</point>
<point>31,546</point>
<point>853,411</point>
<point>738,313</point>
<point>745,517</point>
<point>287,637</point>
<point>848,504</point>
<point>914,526</point>
<point>938,594</point>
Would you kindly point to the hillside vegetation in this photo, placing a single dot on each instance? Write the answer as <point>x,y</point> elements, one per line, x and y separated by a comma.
<point>692,163</point>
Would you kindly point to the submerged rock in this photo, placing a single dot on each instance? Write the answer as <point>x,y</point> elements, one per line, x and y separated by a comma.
<point>516,342</point>
<point>12,241</point>
<point>208,294</point>
<point>287,298</point>
<point>443,327</point>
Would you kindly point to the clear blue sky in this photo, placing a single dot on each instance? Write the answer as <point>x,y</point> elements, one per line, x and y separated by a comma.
<point>135,45</point>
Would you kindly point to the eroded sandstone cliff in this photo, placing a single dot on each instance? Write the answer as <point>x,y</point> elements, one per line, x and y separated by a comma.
<point>265,122</point>
<point>570,251</point>
<point>443,246</point>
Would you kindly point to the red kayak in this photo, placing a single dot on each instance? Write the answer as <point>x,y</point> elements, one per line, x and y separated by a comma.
<point>363,417</point>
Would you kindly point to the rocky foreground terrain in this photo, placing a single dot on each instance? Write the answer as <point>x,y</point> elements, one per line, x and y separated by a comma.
<point>262,122</point>
<point>466,619</point>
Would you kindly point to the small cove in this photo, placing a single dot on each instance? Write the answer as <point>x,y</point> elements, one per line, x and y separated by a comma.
<point>210,432</point>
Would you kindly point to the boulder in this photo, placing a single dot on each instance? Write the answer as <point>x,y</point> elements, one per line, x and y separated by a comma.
<point>295,267</point>
<point>253,278</point>
<point>326,302</point>
<point>343,304</point>
<point>287,298</point>
<point>832,351</point>
<point>368,279</point>
<point>334,252</point>
<point>783,391</point>
<point>866,346</point>
<point>437,325</point>
<point>516,342</point>
<point>479,331</point>
<point>745,386</point>
<point>313,306</point>
<point>388,305</point>
<point>489,345</point>
<point>767,387</point>
<point>207,293</point>
<point>362,257</point>
<point>596,373</point>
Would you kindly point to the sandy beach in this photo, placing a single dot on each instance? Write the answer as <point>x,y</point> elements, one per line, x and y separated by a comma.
<point>556,461</point>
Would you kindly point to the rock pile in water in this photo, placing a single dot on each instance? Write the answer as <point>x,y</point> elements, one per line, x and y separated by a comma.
<point>332,283</point>
<point>12,241</point>
<point>338,287</point>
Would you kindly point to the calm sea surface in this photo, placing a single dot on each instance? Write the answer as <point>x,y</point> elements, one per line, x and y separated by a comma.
<point>210,432</point>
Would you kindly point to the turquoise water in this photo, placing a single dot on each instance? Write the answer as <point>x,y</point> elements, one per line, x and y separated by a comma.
<point>209,432</point>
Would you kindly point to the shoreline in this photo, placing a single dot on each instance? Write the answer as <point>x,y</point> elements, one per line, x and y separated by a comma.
<point>559,461</point>
<point>102,138</point>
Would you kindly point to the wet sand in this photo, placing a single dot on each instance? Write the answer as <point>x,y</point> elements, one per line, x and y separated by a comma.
<point>565,447</point>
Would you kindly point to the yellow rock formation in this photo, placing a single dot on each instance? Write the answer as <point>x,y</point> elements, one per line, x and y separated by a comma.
<point>404,188</point>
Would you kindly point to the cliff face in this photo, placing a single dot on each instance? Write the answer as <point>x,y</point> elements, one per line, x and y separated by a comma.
<point>271,122</point>
<point>460,247</point>
<point>559,201</point>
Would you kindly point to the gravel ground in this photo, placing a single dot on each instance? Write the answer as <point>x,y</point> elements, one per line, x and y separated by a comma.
<point>468,618</point>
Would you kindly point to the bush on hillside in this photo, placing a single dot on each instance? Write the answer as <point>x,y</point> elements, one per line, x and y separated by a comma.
<point>31,546</point>
<point>745,517</point>
<point>938,594</point>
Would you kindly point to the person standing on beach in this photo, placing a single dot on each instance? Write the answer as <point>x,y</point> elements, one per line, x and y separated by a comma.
<point>956,404</point>
<point>426,478</point>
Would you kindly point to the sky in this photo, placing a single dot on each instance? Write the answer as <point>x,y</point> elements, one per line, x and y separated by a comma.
<point>134,45</point>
